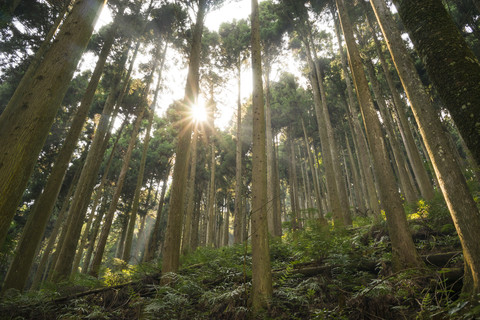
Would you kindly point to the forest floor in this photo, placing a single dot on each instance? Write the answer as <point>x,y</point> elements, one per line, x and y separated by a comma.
<point>319,273</point>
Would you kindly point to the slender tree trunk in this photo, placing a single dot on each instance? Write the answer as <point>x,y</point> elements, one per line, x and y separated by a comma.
<point>334,198</point>
<point>238,220</point>
<point>306,183</point>
<point>88,177</point>
<point>359,140</point>
<point>450,63</point>
<point>277,195</point>
<point>421,175</point>
<point>102,240</point>
<point>398,156</point>
<point>271,211</point>
<point>357,183</point>
<point>404,254</point>
<point>211,198</point>
<point>87,235</point>
<point>94,233</point>
<point>153,242</point>
<point>39,274</point>
<point>261,270</point>
<point>123,234</point>
<point>143,160</point>
<point>196,222</point>
<point>463,209</point>
<point>171,249</point>
<point>26,121</point>
<point>312,168</point>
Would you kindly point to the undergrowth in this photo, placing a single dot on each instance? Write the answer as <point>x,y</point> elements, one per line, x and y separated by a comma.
<point>318,273</point>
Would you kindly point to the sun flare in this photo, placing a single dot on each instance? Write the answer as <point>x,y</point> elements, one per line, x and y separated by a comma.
<point>199,113</point>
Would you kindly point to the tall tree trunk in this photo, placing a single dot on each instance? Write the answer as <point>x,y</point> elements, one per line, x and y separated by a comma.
<point>154,239</point>
<point>404,254</point>
<point>359,140</point>
<point>42,209</point>
<point>238,220</point>
<point>451,64</point>
<point>463,209</point>
<point>356,181</point>
<point>398,156</point>
<point>39,274</point>
<point>196,221</point>
<point>102,240</point>
<point>261,270</point>
<point>421,175</point>
<point>26,121</point>
<point>277,195</point>
<point>143,160</point>
<point>87,234</point>
<point>333,196</point>
<point>226,231</point>
<point>92,237</point>
<point>312,168</point>
<point>211,199</point>
<point>306,183</point>
<point>190,199</point>
<point>271,207</point>
<point>89,174</point>
<point>330,142</point>
<point>171,249</point>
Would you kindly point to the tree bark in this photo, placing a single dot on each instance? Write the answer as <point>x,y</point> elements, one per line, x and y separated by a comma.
<point>190,199</point>
<point>238,214</point>
<point>25,122</point>
<point>404,254</point>
<point>261,270</point>
<point>450,63</point>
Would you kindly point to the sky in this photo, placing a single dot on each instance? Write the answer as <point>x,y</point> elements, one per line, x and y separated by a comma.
<point>176,77</point>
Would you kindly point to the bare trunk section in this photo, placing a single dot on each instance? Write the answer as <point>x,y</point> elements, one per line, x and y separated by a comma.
<point>211,199</point>
<point>153,242</point>
<point>312,169</point>
<point>261,270</point>
<point>187,232</point>
<point>238,213</point>
<point>332,193</point>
